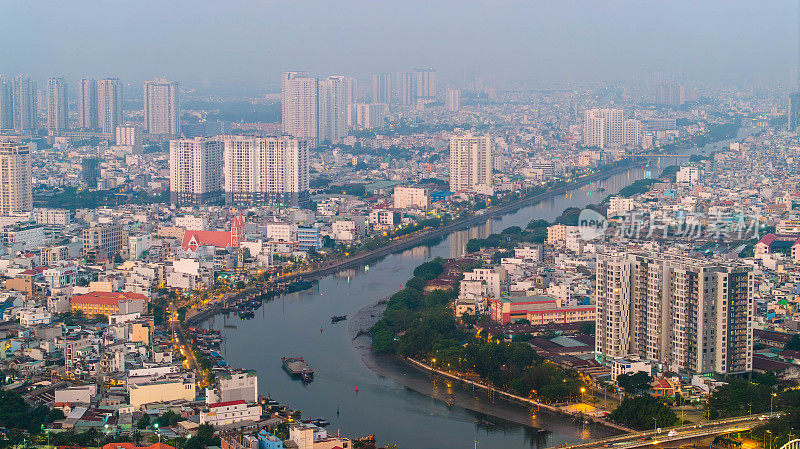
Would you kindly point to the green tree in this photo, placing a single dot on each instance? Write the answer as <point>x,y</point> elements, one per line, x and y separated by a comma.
<point>794,343</point>
<point>643,413</point>
<point>634,383</point>
<point>143,422</point>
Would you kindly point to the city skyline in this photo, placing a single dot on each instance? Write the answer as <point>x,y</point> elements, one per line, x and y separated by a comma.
<point>619,40</point>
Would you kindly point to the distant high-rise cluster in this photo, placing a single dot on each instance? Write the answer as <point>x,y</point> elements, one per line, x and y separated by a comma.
<point>605,128</point>
<point>675,94</point>
<point>314,110</point>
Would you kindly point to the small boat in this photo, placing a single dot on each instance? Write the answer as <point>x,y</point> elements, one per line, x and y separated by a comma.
<point>337,318</point>
<point>320,422</point>
<point>297,367</point>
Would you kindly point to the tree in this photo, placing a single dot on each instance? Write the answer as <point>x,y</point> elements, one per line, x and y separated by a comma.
<point>738,398</point>
<point>168,419</point>
<point>643,412</point>
<point>634,383</point>
<point>794,343</point>
<point>143,422</point>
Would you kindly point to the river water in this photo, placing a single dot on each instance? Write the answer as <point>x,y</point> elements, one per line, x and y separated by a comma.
<point>361,393</point>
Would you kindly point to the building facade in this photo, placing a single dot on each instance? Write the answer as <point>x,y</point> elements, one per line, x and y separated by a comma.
<point>87,104</point>
<point>691,315</point>
<point>470,162</point>
<point>109,105</point>
<point>15,178</point>
<point>269,170</point>
<point>162,109</point>
<point>103,242</point>
<point>300,106</point>
<point>195,170</point>
<point>56,105</point>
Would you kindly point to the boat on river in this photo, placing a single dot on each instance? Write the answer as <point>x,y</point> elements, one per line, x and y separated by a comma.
<point>297,367</point>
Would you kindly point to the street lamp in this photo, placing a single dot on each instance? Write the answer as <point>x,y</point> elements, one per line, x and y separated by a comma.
<point>771,398</point>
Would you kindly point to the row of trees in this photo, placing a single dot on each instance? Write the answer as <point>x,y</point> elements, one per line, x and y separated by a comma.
<point>421,325</point>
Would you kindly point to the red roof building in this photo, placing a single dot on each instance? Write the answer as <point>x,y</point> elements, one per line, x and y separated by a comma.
<point>108,303</point>
<point>218,239</point>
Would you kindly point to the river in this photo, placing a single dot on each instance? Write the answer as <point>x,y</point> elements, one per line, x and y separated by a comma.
<point>361,393</point>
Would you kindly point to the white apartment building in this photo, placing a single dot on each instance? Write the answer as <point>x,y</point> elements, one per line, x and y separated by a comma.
<point>192,222</point>
<point>109,104</point>
<point>281,232</point>
<point>691,315</point>
<point>195,170</point>
<point>470,162</point>
<point>52,217</point>
<point>532,253</point>
<point>689,174</point>
<point>619,206</point>
<point>270,170</point>
<point>87,104</point>
<point>230,412</point>
<point>129,136</point>
<point>493,278</point>
<point>300,106</point>
<point>56,105</point>
<point>15,178</point>
<point>408,197</point>
<point>335,99</point>
<point>603,128</point>
<point>162,110</point>
<point>633,130</point>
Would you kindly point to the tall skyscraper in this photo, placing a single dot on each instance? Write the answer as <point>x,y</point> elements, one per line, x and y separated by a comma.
<point>300,106</point>
<point>453,100</point>
<point>56,105</point>
<point>162,110</point>
<point>15,178</point>
<point>87,104</point>
<point>603,128</point>
<point>406,89</point>
<point>6,105</point>
<point>692,315</point>
<point>271,170</point>
<point>109,105</point>
<point>195,170</point>
<point>24,104</point>
<point>470,162</point>
<point>381,88</point>
<point>424,86</point>
<point>794,111</point>
<point>335,99</point>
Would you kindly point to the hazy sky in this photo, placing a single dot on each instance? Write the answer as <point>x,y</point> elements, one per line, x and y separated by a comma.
<point>250,42</point>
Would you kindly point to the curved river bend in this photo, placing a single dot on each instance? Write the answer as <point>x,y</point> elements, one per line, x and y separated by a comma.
<point>399,405</point>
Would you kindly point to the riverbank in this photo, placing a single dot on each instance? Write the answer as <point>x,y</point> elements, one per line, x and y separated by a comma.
<point>486,403</point>
<point>195,316</point>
